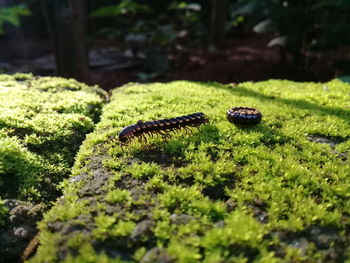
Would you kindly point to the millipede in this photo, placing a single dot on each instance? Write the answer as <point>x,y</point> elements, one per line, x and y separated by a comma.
<point>243,116</point>
<point>162,127</point>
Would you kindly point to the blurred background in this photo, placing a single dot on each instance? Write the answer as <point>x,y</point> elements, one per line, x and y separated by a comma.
<point>112,42</point>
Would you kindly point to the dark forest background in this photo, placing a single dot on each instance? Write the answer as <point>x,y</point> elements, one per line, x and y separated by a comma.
<point>111,42</point>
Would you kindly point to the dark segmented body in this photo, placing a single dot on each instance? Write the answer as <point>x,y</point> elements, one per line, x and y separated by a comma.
<point>243,116</point>
<point>162,127</point>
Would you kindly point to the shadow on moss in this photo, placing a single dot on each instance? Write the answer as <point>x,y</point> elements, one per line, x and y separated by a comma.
<point>296,103</point>
<point>327,240</point>
<point>159,157</point>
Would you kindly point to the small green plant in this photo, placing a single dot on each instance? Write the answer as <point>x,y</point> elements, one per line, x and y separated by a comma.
<point>11,15</point>
<point>144,170</point>
<point>104,225</point>
<point>302,26</point>
<point>151,29</point>
<point>117,196</point>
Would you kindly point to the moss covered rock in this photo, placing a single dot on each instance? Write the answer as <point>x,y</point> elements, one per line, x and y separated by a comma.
<point>43,121</point>
<point>274,192</point>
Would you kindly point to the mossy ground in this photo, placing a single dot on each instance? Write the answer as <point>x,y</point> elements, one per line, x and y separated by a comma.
<point>43,122</point>
<point>275,192</point>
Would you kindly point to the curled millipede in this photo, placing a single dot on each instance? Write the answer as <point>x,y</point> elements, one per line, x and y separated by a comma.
<point>162,127</point>
<point>243,116</point>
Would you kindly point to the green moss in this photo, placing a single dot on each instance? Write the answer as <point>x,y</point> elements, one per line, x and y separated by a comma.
<point>40,132</point>
<point>23,76</point>
<point>87,254</point>
<point>16,76</point>
<point>117,196</point>
<point>5,77</point>
<point>239,230</point>
<point>72,208</point>
<point>143,170</point>
<point>19,167</point>
<point>3,213</point>
<point>267,193</point>
<point>58,84</point>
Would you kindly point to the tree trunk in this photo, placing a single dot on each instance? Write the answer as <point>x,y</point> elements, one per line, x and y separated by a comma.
<point>69,37</point>
<point>218,20</point>
<point>79,41</point>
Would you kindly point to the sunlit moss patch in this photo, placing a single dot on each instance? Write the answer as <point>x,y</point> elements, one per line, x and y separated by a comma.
<point>41,131</point>
<point>265,193</point>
